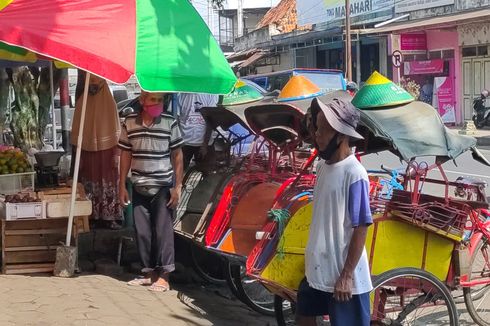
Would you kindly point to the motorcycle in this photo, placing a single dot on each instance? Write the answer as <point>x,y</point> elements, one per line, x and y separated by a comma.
<point>481,113</point>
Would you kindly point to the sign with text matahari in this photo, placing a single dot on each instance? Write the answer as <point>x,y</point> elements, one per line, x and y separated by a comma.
<point>315,11</point>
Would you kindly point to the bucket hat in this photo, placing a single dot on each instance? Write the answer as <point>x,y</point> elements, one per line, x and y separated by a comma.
<point>340,114</point>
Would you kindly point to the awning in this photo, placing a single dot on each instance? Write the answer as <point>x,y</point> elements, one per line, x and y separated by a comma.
<point>432,23</point>
<point>253,59</point>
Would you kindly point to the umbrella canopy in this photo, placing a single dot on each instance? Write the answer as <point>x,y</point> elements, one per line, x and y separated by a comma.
<point>165,44</point>
<point>14,53</point>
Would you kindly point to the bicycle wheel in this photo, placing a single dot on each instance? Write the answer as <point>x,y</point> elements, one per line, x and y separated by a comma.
<point>410,296</point>
<point>477,298</point>
<point>250,291</point>
<point>208,265</point>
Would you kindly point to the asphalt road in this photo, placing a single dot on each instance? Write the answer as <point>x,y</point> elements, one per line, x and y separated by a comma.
<point>464,165</point>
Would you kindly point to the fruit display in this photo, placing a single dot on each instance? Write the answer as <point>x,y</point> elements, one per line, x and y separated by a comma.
<point>13,160</point>
<point>20,198</point>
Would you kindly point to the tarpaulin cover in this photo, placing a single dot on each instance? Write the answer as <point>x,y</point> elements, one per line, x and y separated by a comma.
<point>166,44</point>
<point>414,130</point>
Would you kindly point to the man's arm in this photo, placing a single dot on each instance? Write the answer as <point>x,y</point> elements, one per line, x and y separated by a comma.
<point>177,159</point>
<point>343,287</point>
<point>124,166</point>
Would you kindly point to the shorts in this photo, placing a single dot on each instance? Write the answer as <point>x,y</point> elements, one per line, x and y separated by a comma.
<point>313,302</point>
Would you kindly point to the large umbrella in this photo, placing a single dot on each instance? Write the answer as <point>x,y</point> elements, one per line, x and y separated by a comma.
<point>165,44</point>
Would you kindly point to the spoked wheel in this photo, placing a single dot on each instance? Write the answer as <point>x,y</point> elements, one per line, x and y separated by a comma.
<point>410,296</point>
<point>207,265</point>
<point>249,290</point>
<point>477,298</point>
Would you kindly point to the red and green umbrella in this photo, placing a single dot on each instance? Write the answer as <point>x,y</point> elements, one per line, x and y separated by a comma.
<point>164,43</point>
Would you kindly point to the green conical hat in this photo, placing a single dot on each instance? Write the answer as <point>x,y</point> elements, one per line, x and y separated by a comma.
<point>241,94</point>
<point>378,92</point>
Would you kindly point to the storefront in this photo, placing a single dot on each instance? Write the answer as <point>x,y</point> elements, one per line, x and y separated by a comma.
<point>475,62</point>
<point>431,60</point>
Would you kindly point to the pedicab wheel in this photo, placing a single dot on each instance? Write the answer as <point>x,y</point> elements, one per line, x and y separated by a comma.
<point>208,266</point>
<point>411,296</point>
<point>249,290</point>
<point>284,311</point>
<point>477,298</point>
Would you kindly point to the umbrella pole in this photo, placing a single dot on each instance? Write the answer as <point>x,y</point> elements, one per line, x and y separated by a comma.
<point>77,161</point>
<point>53,115</point>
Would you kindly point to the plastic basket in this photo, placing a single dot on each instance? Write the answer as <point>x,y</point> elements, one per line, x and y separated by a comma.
<point>14,183</point>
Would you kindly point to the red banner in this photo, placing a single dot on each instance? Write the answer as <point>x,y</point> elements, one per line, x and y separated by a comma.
<point>428,67</point>
<point>413,42</point>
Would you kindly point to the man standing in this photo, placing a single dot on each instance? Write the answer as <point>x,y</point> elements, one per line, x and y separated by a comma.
<point>337,279</point>
<point>196,134</point>
<point>151,147</point>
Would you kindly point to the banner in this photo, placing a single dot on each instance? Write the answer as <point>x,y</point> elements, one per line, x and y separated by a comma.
<point>413,42</point>
<point>444,98</point>
<point>428,67</point>
<point>412,5</point>
<point>315,11</point>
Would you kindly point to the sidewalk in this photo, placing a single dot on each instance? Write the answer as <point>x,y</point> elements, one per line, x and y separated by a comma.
<point>92,300</point>
<point>482,135</point>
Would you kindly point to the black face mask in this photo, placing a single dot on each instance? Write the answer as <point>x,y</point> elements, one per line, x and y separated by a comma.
<point>93,89</point>
<point>330,150</point>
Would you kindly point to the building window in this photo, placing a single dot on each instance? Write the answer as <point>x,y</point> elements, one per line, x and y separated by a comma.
<point>435,55</point>
<point>483,50</point>
<point>447,54</point>
<point>469,52</point>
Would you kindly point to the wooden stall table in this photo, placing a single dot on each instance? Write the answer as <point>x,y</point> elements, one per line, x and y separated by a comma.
<point>29,245</point>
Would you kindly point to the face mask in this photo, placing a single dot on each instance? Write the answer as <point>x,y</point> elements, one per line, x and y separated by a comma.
<point>93,89</point>
<point>331,148</point>
<point>154,110</point>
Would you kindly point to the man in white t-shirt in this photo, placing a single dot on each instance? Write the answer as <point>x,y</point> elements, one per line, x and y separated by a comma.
<point>197,136</point>
<point>337,279</point>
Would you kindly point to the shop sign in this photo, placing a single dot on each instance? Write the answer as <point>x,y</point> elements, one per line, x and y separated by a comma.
<point>444,98</point>
<point>427,67</point>
<point>412,5</point>
<point>315,12</point>
<point>413,42</point>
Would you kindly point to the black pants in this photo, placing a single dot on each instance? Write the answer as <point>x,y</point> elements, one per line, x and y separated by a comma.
<point>204,164</point>
<point>154,231</point>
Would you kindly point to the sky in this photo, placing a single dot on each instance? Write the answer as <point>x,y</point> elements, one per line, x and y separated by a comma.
<point>202,8</point>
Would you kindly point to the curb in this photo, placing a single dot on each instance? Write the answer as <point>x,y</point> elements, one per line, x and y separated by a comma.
<point>483,141</point>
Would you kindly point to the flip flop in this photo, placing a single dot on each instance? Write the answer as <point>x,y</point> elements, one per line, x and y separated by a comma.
<point>159,288</point>
<point>140,281</point>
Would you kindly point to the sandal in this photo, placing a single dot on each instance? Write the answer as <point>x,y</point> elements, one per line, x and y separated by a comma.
<point>140,281</point>
<point>159,288</point>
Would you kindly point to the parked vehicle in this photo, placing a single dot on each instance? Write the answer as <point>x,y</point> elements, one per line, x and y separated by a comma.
<point>481,112</point>
<point>327,79</point>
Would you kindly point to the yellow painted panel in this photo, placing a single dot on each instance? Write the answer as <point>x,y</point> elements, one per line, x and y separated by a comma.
<point>4,3</point>
<point>287,271</point>
<point>439,255</point>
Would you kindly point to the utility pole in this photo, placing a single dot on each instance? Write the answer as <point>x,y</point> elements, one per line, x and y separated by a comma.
<point>348,45</point>
<point>240,18</point>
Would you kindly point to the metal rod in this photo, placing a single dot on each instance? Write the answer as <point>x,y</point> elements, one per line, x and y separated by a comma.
<point>348,45</point>
<point>53,115</point>
<point>77,161</point>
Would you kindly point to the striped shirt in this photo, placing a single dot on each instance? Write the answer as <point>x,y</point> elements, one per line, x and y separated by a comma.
<point>150,148</point>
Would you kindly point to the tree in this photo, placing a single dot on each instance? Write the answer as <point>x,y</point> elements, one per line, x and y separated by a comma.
<point>30,111</point>
<point>218,3</point>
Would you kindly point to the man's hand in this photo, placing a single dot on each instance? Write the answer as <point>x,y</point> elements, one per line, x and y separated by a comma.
<point>174,197</point>
<point>123,196</point>
<point>343,288</point>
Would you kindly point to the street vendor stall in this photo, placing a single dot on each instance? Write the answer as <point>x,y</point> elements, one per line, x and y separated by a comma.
<point>166,45</point>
